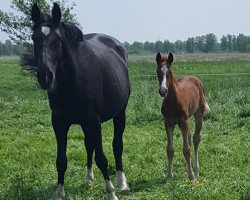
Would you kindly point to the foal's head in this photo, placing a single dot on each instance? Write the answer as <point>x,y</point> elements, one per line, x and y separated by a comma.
<point>164,71</point>
<point>47,45</point>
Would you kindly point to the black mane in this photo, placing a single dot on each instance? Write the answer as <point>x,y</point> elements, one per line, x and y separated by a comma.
<point>71,32</point>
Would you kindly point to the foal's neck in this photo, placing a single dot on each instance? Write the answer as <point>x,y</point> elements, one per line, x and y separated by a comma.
<point>172,88</point>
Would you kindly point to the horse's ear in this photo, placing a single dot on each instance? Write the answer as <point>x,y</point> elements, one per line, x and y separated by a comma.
<point>56,13</point>
<point>170,58</point>
<point>158,57</point>
<point>35,13</point>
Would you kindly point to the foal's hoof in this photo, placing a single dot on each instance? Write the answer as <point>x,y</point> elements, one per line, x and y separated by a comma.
<point>170,177</point>
<point>191,177</point>
<point>60,193</point>
<point>112,196</point>
<point>196,172</point>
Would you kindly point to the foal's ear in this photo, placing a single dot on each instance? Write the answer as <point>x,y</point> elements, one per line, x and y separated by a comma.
<point>158,57</point>
<point>56,13</point>
<point>35,13</point>
<point>170,58</point>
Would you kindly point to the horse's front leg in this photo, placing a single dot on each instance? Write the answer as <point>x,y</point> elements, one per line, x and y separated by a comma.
<point>170,148</point>
<point>61,129</point>
<point>93,129</point>
<point>186,147</point>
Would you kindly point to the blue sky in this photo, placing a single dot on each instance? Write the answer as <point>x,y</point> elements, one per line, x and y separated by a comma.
<point>150,20</point>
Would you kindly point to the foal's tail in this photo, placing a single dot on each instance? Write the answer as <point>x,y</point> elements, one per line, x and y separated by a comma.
<point>207,108</point>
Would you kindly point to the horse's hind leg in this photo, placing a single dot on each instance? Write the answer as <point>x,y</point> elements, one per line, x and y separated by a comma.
<point>119,126</point>
<point>170,148</point>
<point>93,130</point>
<point>89,176</point>
<point>196,140</point>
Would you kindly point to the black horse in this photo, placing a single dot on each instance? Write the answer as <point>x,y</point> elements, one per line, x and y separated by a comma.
<point>86,79</point>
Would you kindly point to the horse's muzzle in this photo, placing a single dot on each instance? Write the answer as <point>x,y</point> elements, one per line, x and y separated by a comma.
<point>45,79</point>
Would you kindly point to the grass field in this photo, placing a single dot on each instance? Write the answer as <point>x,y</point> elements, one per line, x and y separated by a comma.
<point>28,145</point>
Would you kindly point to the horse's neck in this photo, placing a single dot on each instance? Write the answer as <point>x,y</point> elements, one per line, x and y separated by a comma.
<point>67,70</point>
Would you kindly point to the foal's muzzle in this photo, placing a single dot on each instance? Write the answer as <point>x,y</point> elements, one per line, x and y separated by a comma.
<point>162,91</point>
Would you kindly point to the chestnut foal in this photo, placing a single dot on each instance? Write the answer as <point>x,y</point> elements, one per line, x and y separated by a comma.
<point>183,98</point>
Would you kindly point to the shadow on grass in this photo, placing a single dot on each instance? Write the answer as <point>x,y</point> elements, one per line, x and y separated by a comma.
<point>146,185</point>
<point>20,189</point>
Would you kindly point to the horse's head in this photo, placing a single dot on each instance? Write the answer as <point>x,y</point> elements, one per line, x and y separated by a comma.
<point>164,70</point>
<point>47,45</point>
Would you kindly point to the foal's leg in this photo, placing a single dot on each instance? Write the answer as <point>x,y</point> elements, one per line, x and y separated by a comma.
<point>89,176</point>
<point>186,147</point>
<point>93,129</point>
<point>61,129</point>
<point>170,148</point>
<point>119,126</point>
<point>196,141</point>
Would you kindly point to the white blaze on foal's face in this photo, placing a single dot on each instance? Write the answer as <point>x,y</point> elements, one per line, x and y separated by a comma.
<point>163,87</point>
<point>45,30</point>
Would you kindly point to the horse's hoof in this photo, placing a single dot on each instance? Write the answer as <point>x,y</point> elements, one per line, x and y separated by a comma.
<point>122,182</point>
<point>125,189</point>
<point>89,177</point>
<point>60,193</point>
<point>112,196</point>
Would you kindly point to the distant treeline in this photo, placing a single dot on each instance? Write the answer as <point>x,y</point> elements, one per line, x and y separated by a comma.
<point>8,48</point>
<point>200,44</point>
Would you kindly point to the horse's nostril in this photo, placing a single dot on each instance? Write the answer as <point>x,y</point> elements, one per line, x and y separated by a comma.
<point>49,76</point>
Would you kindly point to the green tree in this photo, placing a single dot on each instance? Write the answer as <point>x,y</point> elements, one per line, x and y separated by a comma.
<point>158,46</point>
<point>242,42</point>
<point>211,43</point>
<point>136,47</point>
<point>224,44</point>
<point>18,26</point>
<point>229,39</point>
<point>166,46</point>
<point>234,43</point>
<point>190,45</point>
<point>126,46</point>
<point>149,47</point>
<point>200,42</point>
<point>180,46</point>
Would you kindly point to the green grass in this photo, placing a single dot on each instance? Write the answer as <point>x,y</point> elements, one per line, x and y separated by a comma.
<point>28,145</point>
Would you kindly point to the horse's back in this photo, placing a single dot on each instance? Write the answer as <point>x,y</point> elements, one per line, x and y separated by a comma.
<point>104,42</point>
